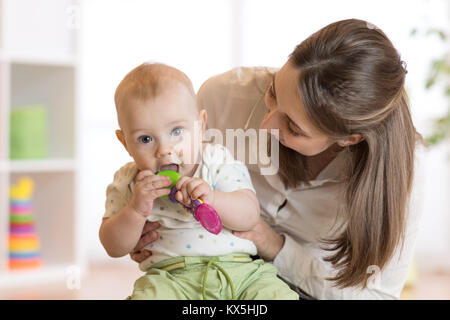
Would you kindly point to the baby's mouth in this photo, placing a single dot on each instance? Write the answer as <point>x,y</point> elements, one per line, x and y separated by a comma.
<point>171,166</point>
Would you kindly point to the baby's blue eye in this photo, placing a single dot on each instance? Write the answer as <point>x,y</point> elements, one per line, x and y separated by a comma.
<point>145,139</point>
<point>177,131</point>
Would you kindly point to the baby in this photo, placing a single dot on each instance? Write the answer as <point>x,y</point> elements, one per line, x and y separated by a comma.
<point>162,129</point>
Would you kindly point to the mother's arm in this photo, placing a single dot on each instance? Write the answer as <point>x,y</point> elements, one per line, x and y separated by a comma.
<point>296,264</point>
<point>149,235</point>
<point>268,242</point>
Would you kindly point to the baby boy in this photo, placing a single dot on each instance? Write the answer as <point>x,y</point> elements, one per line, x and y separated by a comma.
<point>162,129</point>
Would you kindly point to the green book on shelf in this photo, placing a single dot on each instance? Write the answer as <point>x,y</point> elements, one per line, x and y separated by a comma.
<point>29,132</point>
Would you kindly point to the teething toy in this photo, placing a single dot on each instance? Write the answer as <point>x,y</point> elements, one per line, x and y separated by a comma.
<point>201,211</point>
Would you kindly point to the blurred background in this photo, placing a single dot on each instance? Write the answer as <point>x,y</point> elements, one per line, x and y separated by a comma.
<point>60,63</point>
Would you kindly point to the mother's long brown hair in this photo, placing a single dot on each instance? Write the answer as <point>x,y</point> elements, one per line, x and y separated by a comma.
<point>351,80</point>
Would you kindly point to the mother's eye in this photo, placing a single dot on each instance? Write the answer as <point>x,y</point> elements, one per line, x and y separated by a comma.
<point>145,139</point>
<point>294,133</point>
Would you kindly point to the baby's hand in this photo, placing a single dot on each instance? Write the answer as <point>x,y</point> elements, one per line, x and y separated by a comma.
<point>194,188</point>
<point>148,187</point>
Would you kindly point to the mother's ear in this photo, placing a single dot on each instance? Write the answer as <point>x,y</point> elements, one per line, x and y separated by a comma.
<point>354,138</point>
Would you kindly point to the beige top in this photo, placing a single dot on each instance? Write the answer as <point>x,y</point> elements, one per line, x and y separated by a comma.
<point>235,100</point>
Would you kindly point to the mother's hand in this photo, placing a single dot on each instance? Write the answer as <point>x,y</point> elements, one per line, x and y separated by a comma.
<point>267,241</point>
<point>148,236</point>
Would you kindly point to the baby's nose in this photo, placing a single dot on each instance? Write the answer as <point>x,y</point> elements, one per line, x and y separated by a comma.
<point>164,150</point>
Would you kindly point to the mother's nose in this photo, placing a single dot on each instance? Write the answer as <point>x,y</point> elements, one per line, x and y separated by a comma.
<point>271,120</point>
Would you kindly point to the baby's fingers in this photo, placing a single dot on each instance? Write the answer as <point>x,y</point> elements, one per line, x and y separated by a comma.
<point>182,194</point>
<point>181,182</point>
<point>193,184</point>
<point>154,194</point>
<point>154,182</point>
<point>143,174</point>
<point>200,191</point>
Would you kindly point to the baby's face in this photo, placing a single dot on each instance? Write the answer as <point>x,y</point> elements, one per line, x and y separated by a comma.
<point>164,132</point>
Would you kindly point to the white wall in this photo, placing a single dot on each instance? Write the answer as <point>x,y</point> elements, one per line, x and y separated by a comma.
<point>204,37</point>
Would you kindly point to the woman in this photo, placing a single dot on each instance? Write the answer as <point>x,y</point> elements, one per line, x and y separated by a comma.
<point>335,218</point>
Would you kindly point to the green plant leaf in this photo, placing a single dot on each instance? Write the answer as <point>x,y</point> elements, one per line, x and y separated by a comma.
<point>441,129</point>
<point>441,34</point>
<point>430,82</point>
<point>447,90</point>
<point>439,72</point>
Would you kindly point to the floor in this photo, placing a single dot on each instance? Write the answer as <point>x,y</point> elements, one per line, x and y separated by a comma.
<point>433,286</point>
<point>110,282</point>
<point>102,282</point>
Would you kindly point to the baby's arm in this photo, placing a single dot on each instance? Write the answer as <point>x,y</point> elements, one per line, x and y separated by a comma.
<point>120,233</point>
<point>238,210</point>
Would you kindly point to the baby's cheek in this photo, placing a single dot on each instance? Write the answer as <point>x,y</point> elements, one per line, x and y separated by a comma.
<point>187,153</point>
<point>144,162</point>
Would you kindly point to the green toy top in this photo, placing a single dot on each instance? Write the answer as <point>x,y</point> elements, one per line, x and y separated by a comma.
<point>174,177</point>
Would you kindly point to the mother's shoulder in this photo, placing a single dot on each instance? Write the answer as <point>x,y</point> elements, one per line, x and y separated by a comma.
<point>252,79</point>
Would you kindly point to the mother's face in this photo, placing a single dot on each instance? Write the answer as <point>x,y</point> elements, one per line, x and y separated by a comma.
<point>287,114</point>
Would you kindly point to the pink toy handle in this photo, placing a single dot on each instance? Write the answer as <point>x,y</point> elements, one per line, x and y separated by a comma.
<point>202,212</point>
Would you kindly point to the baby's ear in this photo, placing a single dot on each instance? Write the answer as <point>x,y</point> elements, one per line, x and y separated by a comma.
<point>202,118</point>
<point>121,137</point>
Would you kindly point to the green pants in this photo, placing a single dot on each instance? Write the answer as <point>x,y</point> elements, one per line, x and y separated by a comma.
<point>222,277</point>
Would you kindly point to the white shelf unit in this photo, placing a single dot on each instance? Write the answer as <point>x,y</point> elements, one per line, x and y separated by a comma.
<point>38,65</point>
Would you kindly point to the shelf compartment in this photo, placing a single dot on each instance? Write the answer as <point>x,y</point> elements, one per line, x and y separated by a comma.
<point>4,108</point>
<point>4,218</point>
<point>52,87</point>
<point>54,215</point>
